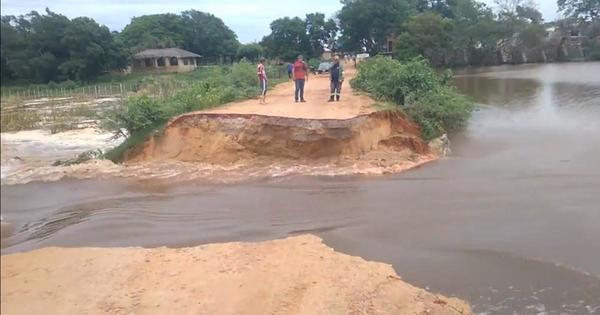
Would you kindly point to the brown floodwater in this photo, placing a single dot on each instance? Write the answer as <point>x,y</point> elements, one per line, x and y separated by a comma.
<point>510,222</point>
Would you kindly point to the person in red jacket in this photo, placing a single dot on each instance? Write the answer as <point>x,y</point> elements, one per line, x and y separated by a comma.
<point>300,76</point>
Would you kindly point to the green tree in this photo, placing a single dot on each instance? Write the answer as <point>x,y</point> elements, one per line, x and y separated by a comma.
<point>91,50</point>
<point>321,33</point>
<point>199,32</point>
<point>516,15</point>
<point>366,24</point>
<point>427,34</point>
<point>251,52</point>
<point>41,48</point>
<point>207,35</point>
<point>154,31</point>
<point>581,9</point>
<point>288,39</point>
<point>441,7</point>
<point>475,32</point>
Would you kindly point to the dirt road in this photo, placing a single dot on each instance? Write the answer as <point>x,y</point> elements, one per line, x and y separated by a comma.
<point>298,275</point>
<point>280,101</point>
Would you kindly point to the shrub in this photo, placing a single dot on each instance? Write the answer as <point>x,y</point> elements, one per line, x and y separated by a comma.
<point>139,113</point>
<point>428,97</point>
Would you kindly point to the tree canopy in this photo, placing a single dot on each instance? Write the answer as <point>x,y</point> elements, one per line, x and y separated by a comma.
<point>368,23</point>
<point>196,31</point>
<point>251,52</point>
<point>41,48</point>
<point>295,36</point>
<point>581,9</point>
<point>428,35</point>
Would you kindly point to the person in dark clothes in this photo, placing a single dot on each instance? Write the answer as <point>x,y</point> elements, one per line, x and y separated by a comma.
<point>336,74</point>
<point>290,68</point>
<point>300,76</point>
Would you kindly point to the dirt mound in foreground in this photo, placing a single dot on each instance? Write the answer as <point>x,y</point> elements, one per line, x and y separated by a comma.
<point>298,275</point>
<point>227,138</point>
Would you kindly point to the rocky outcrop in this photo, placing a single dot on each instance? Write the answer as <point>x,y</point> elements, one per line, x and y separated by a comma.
<point>227,138</point>
<point>298,275</point>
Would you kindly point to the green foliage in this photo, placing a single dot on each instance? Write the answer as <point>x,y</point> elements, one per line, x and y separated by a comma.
<point>140,113</point>
<point>288,39</point>
<point>444,111</point>
<point>580,9</point>
<point>199,32</point>
<point>427,34</point>
<point>251,52</point>
<point>368,23</point>
<point>41,48</point>
<point>429,98</point>
<point>153,31</point>
<point>291,37</point>
<point>321,33</point>
<point>533,35</point>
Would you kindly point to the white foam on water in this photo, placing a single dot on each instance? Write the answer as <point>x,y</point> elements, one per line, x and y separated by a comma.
<point>28,151</point>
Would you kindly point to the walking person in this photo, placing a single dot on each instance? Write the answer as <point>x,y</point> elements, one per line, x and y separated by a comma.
<point>336,74</point>
<point>262,80</point>
<point>300,76</point>
<point>290,68</point>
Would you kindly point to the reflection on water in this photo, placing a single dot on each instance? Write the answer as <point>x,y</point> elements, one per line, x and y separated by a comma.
<point>510,222</point>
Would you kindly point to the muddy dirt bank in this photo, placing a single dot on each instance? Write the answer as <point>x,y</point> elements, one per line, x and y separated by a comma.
<point>230,138</point>
<point>298,275</point>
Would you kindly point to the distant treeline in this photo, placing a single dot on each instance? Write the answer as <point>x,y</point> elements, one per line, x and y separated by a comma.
<point>39,48</point>
<point>50,47</point>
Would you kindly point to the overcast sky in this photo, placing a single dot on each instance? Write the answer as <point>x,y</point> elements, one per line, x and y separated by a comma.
<point>249,19</point>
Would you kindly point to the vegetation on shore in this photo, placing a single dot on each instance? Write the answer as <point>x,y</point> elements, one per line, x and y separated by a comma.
<point>427,97</point>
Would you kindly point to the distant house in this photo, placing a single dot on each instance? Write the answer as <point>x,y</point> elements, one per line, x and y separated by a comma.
<point>389,48</point>
<point>165,60</point>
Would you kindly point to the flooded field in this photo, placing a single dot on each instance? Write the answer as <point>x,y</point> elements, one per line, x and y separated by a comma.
<point>509,222</point>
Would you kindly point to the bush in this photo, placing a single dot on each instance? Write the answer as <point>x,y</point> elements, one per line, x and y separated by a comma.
<point>139,113</point>
<point>428,97</point>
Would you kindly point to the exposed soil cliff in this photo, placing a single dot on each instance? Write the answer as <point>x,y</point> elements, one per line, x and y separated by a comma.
<point>298,275</point>
<point>228,138</point>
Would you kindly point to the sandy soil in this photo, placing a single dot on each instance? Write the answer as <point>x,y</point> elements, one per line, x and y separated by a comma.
<point>298,275</point>
<point>280,101</point>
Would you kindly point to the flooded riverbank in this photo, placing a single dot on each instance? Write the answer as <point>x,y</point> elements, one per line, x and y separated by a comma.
<point>509,222</point>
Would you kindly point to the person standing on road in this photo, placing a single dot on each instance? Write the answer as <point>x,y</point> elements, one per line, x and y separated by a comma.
<point>336,74</point>
<point>300,76</point>
<point>262,80</point>
<point>290,69</point>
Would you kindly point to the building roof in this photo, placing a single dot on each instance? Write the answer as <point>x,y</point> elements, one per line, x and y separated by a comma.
<point>166,52</point>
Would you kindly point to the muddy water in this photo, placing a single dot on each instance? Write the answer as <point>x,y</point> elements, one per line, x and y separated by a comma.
<point>511,222</point>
